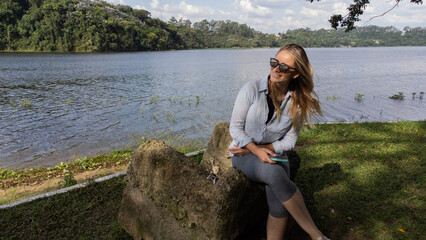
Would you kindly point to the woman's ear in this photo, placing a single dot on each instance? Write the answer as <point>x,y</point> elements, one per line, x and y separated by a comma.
<point>295,76</point>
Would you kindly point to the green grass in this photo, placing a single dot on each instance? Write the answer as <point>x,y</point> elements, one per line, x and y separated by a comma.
<point>365,180</point>
<point>85,213</point>
<point>360,181</point>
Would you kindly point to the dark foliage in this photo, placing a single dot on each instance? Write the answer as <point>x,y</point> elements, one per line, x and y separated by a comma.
<point>97,26</point>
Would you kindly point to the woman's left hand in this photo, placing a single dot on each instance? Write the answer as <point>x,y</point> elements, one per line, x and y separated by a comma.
<point>239,151</point>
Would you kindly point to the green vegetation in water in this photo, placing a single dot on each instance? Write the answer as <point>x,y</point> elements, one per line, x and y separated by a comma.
<point>170,117</point>
<point>399,96</point>
<point>333,97</point>
<point>154,99</point>
<point>155,115</point>
<point>358,97</point>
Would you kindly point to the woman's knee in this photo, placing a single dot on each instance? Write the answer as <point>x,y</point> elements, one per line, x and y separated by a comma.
<point>278,175</point>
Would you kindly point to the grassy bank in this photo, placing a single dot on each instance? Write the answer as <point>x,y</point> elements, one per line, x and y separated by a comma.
<point>360,181</point>
<point>19,184</point>
<point>366,180</point>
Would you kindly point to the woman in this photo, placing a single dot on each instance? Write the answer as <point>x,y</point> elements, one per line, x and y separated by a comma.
<point>265,122</point>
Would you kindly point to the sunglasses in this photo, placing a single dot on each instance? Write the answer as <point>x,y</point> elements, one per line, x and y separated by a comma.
<point>282,67</point>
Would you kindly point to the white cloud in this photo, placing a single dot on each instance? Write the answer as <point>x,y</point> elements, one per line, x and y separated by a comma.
<point>248,7</point>
<point>340,8</point>
<point>289,12</point>
<point>273,3</point>
<point>139,7</point>
<point>312,13</point>
<point>154,4</point>
<point>272,16</point>
<point>116,1</point>
<point>182,10</point>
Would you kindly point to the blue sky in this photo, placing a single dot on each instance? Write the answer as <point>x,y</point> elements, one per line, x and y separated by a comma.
<point>274,16</point>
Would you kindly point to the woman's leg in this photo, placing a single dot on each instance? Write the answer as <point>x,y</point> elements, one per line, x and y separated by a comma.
<point>270,174</point>
<point>282,188</point>
<point>297,208</point>
<point>275,227</point>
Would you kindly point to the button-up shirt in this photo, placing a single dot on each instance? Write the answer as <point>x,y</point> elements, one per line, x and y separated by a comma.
<point>248,121</point>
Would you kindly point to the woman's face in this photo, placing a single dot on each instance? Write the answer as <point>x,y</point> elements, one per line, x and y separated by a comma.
<point>277,76</point>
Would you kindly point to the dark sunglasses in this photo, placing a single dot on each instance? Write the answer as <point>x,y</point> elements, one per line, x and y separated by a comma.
<point>282,67</point>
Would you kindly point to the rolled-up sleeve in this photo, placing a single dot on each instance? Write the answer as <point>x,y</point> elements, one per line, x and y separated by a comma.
<point>287,143</point>
<point>237,125</point>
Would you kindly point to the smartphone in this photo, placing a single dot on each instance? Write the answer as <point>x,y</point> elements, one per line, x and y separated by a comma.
<point>283,161</point>
<point>282,158</point>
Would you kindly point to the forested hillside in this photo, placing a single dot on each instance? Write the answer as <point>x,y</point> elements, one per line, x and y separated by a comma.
<point>97,26</point>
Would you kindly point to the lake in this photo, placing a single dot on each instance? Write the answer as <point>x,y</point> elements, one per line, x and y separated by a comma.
<point>58,107</point>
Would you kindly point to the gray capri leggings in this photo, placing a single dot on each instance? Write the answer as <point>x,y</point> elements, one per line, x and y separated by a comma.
<point>279,188</point>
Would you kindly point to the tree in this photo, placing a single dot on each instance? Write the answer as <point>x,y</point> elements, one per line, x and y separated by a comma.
<point>355,11</point>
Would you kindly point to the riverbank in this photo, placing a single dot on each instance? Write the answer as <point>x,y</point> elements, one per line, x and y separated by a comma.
<point>359,181</point>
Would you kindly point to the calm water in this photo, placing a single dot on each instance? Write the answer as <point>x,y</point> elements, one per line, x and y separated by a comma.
<point>58,107</point>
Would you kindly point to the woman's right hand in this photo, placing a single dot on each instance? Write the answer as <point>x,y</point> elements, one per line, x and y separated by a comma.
<point>261,153</point>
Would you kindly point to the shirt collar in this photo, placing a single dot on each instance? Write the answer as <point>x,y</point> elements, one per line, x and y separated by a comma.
<point>263,87</point>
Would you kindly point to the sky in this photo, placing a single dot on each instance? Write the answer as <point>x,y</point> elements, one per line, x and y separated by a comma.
<point>278,16</point>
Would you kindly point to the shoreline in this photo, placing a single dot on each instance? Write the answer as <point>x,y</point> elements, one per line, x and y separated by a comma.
<point>35,168</point>
<point>21,184</point>
<point>189,49</point>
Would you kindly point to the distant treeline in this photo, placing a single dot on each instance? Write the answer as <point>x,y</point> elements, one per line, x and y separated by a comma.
<point>98,26</point>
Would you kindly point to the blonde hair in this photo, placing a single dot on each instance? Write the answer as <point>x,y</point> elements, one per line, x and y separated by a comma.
<point>304,100</point>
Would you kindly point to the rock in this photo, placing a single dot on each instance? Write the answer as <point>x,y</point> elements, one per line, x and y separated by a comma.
<point>169,197</point>
<point>215,158</point>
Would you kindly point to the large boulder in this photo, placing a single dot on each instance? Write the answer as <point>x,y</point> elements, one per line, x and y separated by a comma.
<point>216,157</point>
<point>169,197</point>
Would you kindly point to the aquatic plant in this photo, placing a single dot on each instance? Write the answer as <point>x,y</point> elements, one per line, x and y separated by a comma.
<point>155,116</point>
<point>414,95</point>
<point>197,100</point>
<point>170,117</point>
<point>12,104</point>
<point>333,97</point>
<point>25,103</point>
<point>358,97</point>
<point>399,96</point>
<point>421,95</point>
<point>154,99</point>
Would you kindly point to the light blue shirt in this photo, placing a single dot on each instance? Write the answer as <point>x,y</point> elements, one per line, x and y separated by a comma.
<point>248,121</point>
